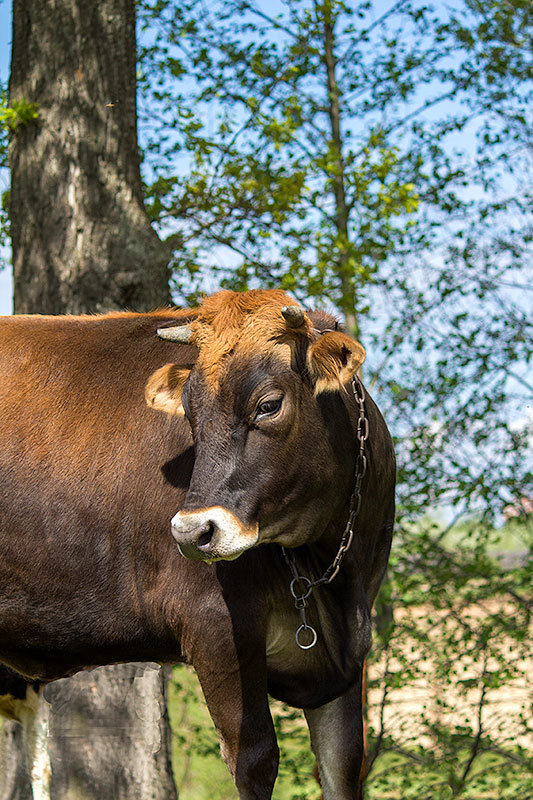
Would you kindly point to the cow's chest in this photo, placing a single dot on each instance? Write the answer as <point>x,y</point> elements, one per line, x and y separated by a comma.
<point>312,677</point>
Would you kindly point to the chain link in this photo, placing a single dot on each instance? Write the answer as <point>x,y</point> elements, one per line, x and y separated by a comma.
<point>306,585</point>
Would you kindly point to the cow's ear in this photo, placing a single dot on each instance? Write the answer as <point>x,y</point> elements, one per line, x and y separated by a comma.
<point>333,360</point>
<point>164,388</point>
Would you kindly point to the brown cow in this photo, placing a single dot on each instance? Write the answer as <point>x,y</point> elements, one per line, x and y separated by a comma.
<point>253,444</point>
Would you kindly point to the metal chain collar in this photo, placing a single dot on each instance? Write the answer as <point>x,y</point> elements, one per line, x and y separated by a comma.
<point>301,587</point>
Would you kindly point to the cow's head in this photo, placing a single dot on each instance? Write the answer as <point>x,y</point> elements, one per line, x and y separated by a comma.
<point>270,419</point>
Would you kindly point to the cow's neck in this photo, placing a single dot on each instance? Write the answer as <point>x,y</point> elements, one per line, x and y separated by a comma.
<point>335,543</point>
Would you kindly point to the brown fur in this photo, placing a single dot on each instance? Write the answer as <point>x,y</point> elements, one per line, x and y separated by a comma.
<point>164,388</point>
<point>250,322</point>
<point>333,360</point>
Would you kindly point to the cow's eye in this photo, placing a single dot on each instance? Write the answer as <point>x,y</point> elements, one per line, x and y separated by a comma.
<point>268,407</point>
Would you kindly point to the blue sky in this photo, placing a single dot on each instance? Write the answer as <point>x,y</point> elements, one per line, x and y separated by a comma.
<point>5,54</point>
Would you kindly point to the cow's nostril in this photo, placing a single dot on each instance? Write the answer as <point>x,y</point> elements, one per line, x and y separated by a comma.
<point>208,530</point>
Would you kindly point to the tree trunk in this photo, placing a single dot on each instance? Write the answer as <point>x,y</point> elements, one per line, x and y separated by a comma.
<point>109,735</point>
<point>81,238</point>
<point>82,242</point>
<point>15,781</point>
<point>348,302</point>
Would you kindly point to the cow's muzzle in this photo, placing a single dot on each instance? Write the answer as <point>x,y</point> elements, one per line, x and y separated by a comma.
<point>210,534</point>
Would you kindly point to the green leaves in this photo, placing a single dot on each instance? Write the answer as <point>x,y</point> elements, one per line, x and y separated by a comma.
<point>375,161</point>
<point>448,676</point>
<point>20,112</point>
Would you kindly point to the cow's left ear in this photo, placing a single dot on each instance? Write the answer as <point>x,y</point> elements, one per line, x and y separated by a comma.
<point>333,360</point>
<point>164,388</point>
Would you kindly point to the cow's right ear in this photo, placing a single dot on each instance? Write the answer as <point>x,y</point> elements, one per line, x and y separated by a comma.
<point>333,359</point>
<point>164,388</point>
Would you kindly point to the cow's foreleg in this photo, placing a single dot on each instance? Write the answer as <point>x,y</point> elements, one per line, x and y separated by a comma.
<point>337,741</point>
<point>238,704</point>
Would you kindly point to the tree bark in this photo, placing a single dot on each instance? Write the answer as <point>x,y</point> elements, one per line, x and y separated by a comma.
<point>81,238</point>
<point>109,735</point>
<point>82,242</point>
<point>15,781</point>
<point>348,302</point>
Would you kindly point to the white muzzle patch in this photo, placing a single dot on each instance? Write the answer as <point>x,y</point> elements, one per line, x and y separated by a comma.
<point>212,533</point>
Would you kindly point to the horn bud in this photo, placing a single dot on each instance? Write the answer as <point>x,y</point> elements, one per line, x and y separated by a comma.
<point>293,316</point>
<point>177,333</point>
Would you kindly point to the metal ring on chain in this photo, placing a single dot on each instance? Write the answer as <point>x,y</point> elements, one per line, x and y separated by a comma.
<point>314,637</point>
<point>307,591</point>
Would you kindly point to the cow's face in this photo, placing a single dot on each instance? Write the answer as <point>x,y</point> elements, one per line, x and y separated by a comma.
<point>272,433</point>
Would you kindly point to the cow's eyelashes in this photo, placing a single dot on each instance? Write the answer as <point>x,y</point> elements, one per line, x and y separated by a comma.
<point>267,408</point>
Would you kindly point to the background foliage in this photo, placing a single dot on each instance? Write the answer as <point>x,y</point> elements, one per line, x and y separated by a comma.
<point>377,161</point>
